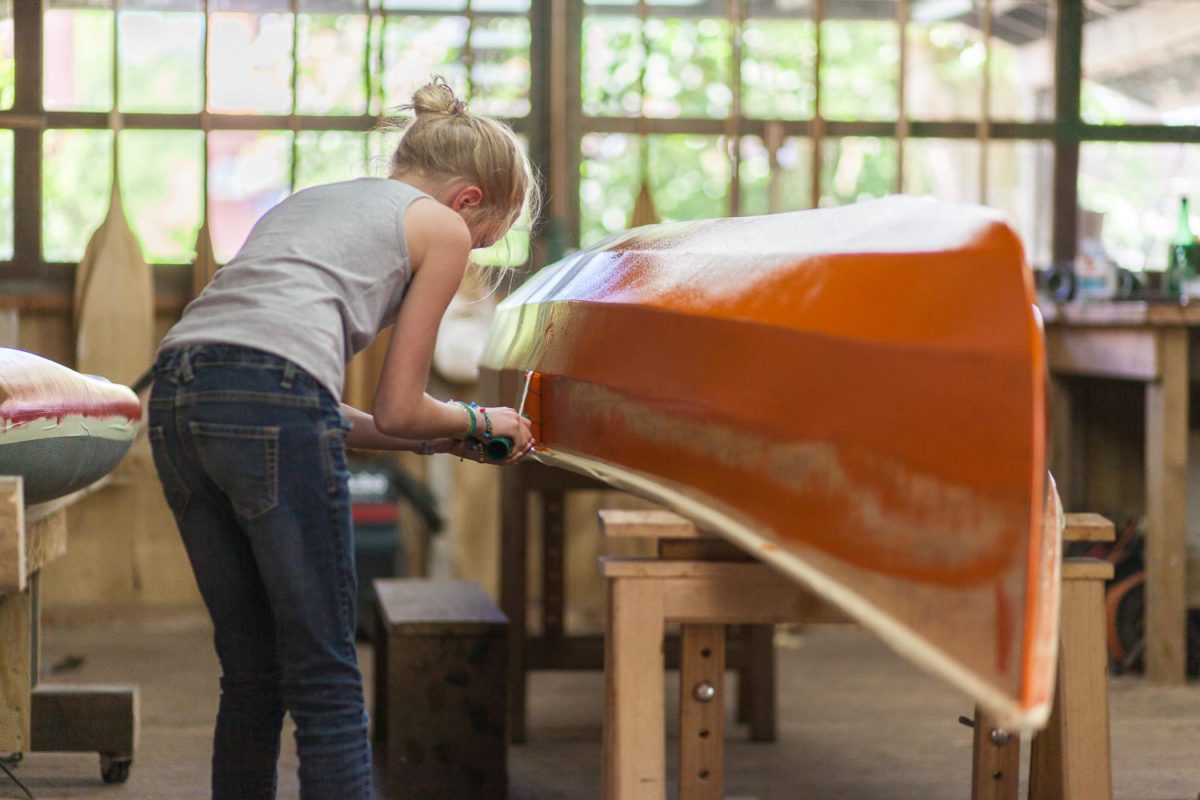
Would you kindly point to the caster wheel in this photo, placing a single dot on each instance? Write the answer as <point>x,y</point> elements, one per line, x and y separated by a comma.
<point>114,769</point>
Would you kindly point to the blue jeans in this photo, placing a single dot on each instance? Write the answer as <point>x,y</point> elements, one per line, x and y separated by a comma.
<point>250,452</point>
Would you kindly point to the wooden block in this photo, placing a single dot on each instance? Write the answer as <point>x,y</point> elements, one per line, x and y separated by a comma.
<point>47,538</point>
<point>1108,352</point>
<point>700,550</point>
<point>16,646</point>
<point>441,687</point>
<point>1086,569</point>
<point>12,535</point>
<point>86,719</point>
<point>996,761</point>
<point>701,712</point>
<point>634,717</point>
<point>652,524</point>
<point>1089,528</point>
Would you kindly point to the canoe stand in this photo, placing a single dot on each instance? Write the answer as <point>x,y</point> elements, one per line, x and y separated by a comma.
<point>705,584</point>
<point>57,718</point>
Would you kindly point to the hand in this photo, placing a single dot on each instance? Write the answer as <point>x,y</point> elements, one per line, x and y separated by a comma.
<point>507,422</point>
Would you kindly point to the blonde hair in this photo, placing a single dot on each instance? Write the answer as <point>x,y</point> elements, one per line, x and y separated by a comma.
<point>443,140</point>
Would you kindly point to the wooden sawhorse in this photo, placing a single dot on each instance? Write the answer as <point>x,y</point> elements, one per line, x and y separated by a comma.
<point>751,651</point>
<point>706,584</point>
<point>61,717</point>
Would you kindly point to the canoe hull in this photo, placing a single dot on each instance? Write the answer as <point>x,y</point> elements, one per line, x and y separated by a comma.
<point>868,422</point>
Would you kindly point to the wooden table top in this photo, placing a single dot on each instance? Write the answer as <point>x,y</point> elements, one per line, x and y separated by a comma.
<point>1119,313</point>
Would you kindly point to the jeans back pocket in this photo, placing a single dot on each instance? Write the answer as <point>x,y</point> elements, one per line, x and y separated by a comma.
<point>243,461</point>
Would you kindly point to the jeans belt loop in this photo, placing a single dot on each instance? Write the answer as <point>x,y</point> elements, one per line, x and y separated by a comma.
<point>289,372</point>
<point>185,373</point>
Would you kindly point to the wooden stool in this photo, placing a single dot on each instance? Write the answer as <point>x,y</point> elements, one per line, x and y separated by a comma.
<point>1070,759</point>
<point>704,584</point>
<point>440,657</point>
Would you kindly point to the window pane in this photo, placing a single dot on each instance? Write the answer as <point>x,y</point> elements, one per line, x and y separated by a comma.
<point>250,63</point>
<point>438,5</point>
<point>161,61</point>
<point>689,176</point>
<point>8,62</point>
<point>860,66</point>
<point>416,48</point>
<point>608,184</point>
<point>6,195</point>
<point>331,53</point>
<point>1140,62</point>
<point>1020,184</point>
<point>76,185</point>
<point>500,73</point>
<point>687,72</point>
<point>612,59</point>
<point>1022,65</point>
<point>945,62</point>
<point>514,6</point>
<point>856,168</point>
<point>777,69</point>
<point>329,156</point>
<point>786,188</point>
<point>248,173</point>
<point>77,60</point>
<point>161,176</point>
<point>947,169</point>
<point>1137,188</point>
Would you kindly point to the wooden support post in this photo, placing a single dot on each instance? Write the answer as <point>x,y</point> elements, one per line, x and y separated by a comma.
<point>513,521</point>
<point>16,681</point>
<point>634,719</point>
<point>13,570</point>
<point>996,766</point>
<point>1166,511</point>
<point>1070,759</point>
<point>553,563</point>
<point>702,707</point>
<point>759,680</point>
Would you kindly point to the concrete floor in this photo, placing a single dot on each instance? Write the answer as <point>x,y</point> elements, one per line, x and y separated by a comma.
<point>856,722</point>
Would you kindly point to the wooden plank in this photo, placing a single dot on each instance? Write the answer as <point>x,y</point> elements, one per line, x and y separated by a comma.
<point>47,541</point>
<point>92,718</point>
<point>634,716</point>
<point>513,591</point>
<point>16,646</point>
<point>649,524</point>
<point>758,681</point>
<point>701,712</point>
<point>700,550</point>
<point>1066,452</point>
<point>1086,527</point>
<point>1087,569</point>
<point>422,606</point>
<point>1129,353</point>
<point>12,535</point>
<point>996,761</point>
<point>1166,512</point>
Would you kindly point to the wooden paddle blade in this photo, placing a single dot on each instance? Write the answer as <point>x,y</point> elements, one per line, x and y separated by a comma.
<point>205,265</point>
<point>114,315</point>
<point>644,212</point>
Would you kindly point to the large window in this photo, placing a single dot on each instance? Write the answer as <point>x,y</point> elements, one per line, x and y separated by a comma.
<point>213,110</point>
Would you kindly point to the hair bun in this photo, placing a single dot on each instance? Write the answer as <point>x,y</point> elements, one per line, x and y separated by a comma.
<point>437,97</point>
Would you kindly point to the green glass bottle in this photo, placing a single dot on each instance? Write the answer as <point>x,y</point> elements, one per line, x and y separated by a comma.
<point>1183,264</point>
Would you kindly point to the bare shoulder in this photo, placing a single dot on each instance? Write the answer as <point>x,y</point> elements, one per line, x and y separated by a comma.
<point>430,227</point>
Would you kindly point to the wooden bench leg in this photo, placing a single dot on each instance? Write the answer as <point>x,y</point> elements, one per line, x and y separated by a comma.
<point>701,712</point>
<point>635,720</point>
<point>1070,759</point>
<point>996,765</point>
<point>760,684</point>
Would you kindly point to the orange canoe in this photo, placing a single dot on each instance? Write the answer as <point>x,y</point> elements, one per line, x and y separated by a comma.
<point>856,395</point>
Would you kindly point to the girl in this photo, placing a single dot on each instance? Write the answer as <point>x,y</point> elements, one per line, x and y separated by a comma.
<point>248,434</point>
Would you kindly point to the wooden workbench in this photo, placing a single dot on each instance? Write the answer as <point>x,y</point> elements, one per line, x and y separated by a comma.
<point>1150,344</point>
<point>75,718</point>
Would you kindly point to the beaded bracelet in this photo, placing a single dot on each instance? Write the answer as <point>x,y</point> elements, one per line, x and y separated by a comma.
<point>470,411</point>
<point>487,421</point>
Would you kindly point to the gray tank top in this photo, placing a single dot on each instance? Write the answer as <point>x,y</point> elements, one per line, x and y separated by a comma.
<point>319,276</point>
